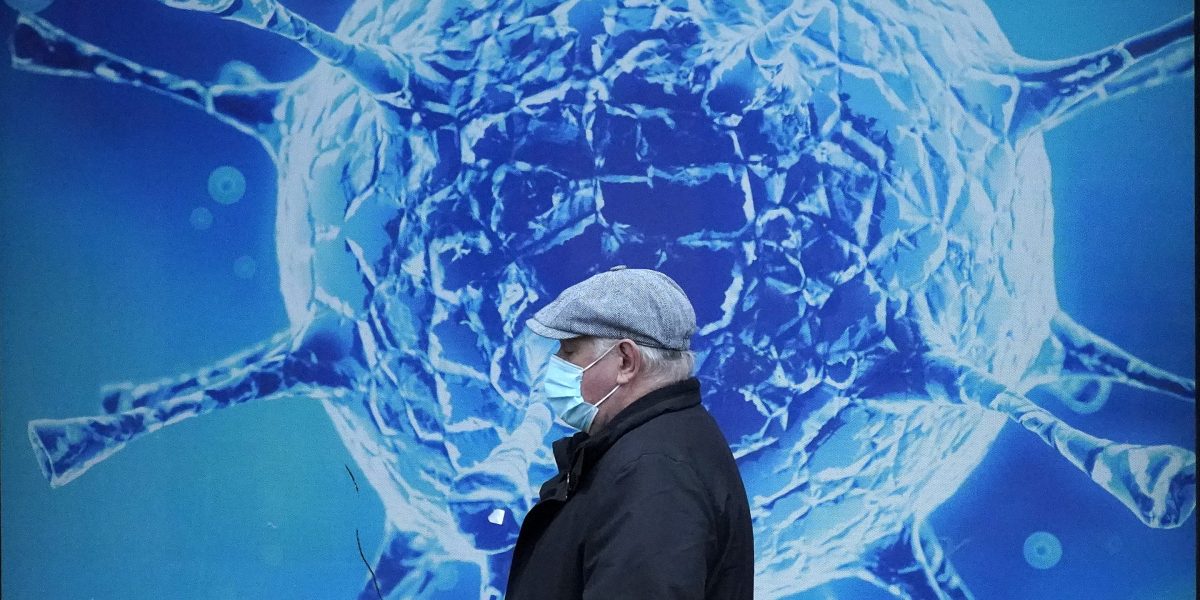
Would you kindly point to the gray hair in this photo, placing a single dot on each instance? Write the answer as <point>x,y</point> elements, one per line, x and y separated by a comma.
<point>660,365</point>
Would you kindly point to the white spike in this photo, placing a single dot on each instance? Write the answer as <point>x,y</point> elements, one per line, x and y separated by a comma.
<point>1053,91</point>
<point>1086,354</point>
<point>66,448</point>
<point>390,78</point>
<point>1157,483</point>
<point>39,47</point>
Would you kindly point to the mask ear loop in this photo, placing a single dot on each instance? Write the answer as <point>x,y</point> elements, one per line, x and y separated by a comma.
<point>612,391</point>
<point>602,356</point>
<point>596,407</point>
<point>601,401</point>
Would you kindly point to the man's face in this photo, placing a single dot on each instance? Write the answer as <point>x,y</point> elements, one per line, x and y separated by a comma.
<point>601,377</point>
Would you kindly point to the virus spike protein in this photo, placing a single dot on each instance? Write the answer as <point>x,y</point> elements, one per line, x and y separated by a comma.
<point>390,78</point>
<point>914,566</point>
<point>39,47</point>
<point>937,566</point>
<point>1052,92</point>
<point>66,448</point>
<point>1086,354</point>
<point>125,396</point>
<point>1157,483</point>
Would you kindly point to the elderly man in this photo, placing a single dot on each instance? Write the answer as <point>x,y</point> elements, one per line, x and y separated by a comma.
<point>648,502</point>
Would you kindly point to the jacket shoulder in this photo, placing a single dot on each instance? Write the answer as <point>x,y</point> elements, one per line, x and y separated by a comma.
<point>689,436</point>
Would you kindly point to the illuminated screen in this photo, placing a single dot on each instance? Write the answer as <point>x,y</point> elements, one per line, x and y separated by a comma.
<point>941,256</point>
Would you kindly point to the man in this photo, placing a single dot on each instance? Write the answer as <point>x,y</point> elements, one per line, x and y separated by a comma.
<point>648,502</point>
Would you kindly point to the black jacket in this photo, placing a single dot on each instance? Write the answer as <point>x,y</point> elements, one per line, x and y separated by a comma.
<point>651,507</point>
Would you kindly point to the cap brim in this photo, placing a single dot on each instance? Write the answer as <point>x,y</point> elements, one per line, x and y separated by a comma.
<point>549,332</point>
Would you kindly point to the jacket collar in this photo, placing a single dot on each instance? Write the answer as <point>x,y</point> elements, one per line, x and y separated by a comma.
<point>577,453</point>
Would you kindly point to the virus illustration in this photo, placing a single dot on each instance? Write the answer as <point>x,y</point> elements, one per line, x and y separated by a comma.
<point>854,193</point>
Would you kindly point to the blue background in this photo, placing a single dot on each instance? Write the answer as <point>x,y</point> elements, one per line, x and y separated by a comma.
<point>103,279</point>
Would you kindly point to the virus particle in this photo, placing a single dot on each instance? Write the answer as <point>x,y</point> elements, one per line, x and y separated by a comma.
<point>1042,550</point>
<point>226,184</point>
<point>855,194</point>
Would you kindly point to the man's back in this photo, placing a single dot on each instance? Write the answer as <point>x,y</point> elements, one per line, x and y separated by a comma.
<point>651,507</point>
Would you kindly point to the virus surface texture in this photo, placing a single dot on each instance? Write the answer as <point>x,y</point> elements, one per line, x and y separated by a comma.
<point>855,194</point>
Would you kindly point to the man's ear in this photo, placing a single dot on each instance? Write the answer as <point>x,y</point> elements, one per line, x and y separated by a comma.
<point>631,361</point>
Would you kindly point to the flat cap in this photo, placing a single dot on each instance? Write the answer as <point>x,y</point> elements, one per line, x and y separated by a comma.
<point>643,305</point>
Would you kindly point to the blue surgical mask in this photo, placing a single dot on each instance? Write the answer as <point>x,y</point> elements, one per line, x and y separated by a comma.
<point>563,386</point>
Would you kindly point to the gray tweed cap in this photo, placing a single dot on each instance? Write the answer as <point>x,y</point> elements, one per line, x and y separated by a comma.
<point>643,305</point>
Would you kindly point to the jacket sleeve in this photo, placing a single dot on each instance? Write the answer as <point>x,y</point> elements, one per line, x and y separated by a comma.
<point>651,534</point>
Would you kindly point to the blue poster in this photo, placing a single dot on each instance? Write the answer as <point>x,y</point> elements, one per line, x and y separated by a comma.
<point>941,255</point>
